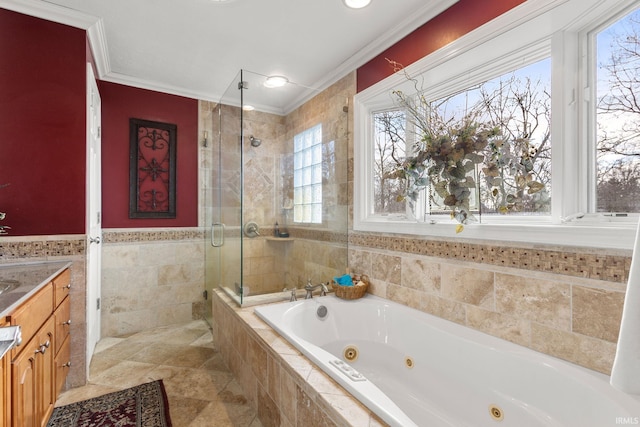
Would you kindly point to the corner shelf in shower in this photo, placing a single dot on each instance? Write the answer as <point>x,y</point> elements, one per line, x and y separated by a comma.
<point>279,239</point>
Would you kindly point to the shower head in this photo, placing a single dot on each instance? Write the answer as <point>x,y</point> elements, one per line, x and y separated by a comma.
<point>255,142</point>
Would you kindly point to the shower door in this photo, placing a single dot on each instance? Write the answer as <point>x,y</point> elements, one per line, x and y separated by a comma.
<point>223,193</point>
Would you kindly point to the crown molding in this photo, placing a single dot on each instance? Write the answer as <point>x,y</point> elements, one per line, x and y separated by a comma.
<point>51,12</point>
<point>380,44</point>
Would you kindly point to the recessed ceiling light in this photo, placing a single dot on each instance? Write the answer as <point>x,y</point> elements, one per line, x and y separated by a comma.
<point>248,107</point>
<point>275,81</point>
<point>356,4</point>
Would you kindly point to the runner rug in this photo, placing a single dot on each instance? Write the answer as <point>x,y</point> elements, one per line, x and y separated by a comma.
<point>145,405</point>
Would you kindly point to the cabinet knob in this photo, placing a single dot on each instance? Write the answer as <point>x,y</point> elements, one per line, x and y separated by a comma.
<point>68,322</point>
<point>67,365</point>
<point>68,286</point>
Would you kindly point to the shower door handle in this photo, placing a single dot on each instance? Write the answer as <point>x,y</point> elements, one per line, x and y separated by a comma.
<point>220,242</point>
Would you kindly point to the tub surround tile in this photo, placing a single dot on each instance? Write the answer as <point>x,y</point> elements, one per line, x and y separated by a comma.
<point>506,290</point>
<point>385,267</point>
<point>582,350</point>
<point>544,301</point>
<point>510,328</point>
<point>468,285</point>
<point>597,313</point>
<point>421,274</point>
<point>447,309</point>
<point>593,263</point>
<point>301,394</point>
<point>406,296</point>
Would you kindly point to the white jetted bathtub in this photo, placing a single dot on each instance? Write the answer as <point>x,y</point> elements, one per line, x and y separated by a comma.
<point>414,369</point>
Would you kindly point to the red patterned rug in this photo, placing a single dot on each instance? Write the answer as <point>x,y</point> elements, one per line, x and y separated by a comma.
<point>145,405</point>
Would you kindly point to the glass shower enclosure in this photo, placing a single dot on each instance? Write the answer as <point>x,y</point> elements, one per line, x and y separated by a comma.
<point>253,248</point>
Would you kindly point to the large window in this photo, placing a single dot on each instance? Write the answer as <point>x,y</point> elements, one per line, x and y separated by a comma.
<point>307,176</point>
<point>514,174</point>
<point>553,99</point>
<point>618,115</point>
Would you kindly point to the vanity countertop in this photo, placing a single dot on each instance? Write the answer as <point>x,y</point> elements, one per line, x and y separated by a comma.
<point>23,280</point>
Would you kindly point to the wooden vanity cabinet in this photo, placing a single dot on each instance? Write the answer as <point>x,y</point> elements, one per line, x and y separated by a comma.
<point>36,379</point>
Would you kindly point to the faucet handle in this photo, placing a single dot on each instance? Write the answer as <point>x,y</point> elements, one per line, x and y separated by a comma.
<point>324,289</point>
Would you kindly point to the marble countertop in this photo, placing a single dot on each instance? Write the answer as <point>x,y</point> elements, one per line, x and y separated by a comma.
<point>24,280</point>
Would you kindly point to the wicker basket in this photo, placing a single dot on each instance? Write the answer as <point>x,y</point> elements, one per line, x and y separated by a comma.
<point>351,292</point>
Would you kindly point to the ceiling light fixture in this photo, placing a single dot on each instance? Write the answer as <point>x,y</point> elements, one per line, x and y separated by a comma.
<point>275,81</point>
<point>247,107</point>
<point>356,4</point>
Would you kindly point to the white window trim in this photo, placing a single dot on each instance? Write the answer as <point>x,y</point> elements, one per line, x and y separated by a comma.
<point>529,31</point>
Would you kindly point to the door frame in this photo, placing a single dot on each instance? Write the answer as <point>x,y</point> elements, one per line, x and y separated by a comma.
<point>94,215</point>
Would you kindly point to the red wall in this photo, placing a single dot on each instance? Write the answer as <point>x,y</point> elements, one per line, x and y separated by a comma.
<point>42,125</point>
<point>119,104</point>
<point>459,19</point>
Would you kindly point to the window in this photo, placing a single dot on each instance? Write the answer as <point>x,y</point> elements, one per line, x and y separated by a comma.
<point>515,175</point>
<point>569,170</point>
<point>618,115</point>
<point>307,176</point>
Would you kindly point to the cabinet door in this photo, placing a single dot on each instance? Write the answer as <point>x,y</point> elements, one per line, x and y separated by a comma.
<point>63,363</point>
<point>23,370</point>
<point>33,390</point>
<point>46,370</point>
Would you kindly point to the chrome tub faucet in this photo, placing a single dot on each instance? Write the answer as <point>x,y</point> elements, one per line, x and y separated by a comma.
<point>310,288</point>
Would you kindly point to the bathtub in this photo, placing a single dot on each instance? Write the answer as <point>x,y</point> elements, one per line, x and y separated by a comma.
<point>414,369</point>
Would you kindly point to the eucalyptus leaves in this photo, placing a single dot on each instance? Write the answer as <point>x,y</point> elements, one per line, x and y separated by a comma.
<point>451,156</point>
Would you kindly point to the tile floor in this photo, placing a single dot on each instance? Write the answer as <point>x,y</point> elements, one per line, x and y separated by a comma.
<point>202,392</point>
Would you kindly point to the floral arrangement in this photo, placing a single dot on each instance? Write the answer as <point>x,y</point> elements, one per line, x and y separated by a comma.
<point>450,156</point>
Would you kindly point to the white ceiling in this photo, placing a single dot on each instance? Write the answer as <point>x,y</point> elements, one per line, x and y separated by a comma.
<point>196,48</point>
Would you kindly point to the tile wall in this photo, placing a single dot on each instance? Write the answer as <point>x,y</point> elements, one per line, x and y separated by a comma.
<point>563,301</point>
<point>150,278</point>
<point>566,302</point>
<point>284,387</point>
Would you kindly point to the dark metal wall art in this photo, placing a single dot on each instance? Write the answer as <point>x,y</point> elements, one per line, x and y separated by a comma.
<point>152,169</point>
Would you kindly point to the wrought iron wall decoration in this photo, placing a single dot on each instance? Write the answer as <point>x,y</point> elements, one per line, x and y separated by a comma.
<point>152,169</point>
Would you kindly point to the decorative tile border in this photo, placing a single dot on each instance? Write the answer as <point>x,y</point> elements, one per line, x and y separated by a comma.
<point>154,235</point>
<point>577,263</point>
<point>12,250</point>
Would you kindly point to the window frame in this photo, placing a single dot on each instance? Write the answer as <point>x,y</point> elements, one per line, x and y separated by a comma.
<point>523,35</point>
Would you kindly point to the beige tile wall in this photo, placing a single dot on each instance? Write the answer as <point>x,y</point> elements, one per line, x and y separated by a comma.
<point>284,387</point>
<point>564,308</point>
<point>150,278</point>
